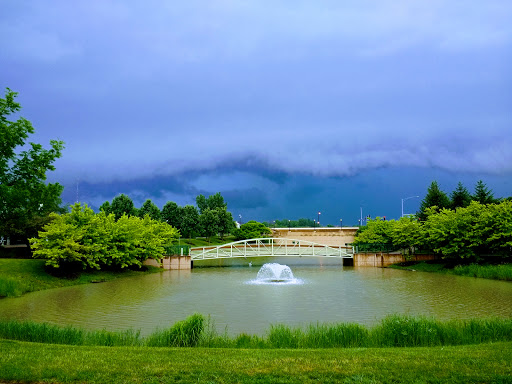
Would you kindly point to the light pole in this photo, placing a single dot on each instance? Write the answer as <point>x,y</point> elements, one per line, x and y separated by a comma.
<point>319,213</point>
<point>240,216</point>
<point>404,199</point>
<point>341,223</point>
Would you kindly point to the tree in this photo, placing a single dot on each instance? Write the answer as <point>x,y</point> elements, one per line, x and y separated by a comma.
<point>123,205</point>
<point>26,200</point>
<point>226,222</point>
<point>105,207</point>
<point>211,202</point>
<point>251,230</point>
<point>81,239</point>
<point>149,208</point>
<point>209,223</point>
<point>435,197</point>
<point>189,221</point>
<point>171,213</point>
<point>483,194</point>
<point>460,197</point>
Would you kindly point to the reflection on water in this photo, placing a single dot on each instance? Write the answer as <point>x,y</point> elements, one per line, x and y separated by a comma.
<point>329,293</point>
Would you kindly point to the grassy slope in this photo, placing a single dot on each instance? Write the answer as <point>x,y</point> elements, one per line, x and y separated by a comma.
<point>29,275</point>
<point>21,361</point>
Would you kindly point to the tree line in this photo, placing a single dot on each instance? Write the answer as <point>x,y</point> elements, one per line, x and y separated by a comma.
<point>209,218</point>
<point>462,226</point>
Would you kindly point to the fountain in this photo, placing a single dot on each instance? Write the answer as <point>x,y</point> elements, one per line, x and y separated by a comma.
<point>274,273</point>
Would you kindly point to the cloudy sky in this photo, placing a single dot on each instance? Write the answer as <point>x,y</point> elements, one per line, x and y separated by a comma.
<point>285,107</point>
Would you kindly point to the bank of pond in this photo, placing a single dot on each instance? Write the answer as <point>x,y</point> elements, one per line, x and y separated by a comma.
<point>198,331</point>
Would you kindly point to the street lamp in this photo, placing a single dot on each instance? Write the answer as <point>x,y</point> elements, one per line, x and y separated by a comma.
<point>319,213</point>
<point>404,199</point>
<point>240,216</point>
<point>341,223</point>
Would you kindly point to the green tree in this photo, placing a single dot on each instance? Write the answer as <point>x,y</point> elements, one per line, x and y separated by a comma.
<point>189,225</point>
<point>209,223</point>
<point>226,222</point>
<point>211,202</point>
<point>407,233</point>
<point>460,197</point>
<point>483,194</point>
<point>26,200</point>
<point>435,197</point>
<point>81,239</point>
<point>123,205</point>
<point>105,207</point>
<point>171,213</point>
<point>149,208</point>
<point>251,230</point>
<point>376,231</point>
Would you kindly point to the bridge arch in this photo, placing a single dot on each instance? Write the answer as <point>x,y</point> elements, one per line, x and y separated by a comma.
<point>270,246</point>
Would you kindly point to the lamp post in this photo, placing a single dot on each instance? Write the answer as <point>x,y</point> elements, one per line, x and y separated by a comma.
<point>240,216</point>
<point>341,223</point>
<point>314,223</point>
<point>319,213</point>
<point>404,199</point>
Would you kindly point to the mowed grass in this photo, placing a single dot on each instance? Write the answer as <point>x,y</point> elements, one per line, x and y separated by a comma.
<point>33,362</point>
<point>18,276</point>
<point>486,271</point>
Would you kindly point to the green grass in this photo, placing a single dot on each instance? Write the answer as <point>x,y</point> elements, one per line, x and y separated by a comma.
<point>392,331</point>
<point>486,271</point>
<point>34,362</point>
<point>18,276</point>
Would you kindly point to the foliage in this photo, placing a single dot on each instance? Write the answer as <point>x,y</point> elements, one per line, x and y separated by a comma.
<point>171,213</point>
<point>212,202</point>
<point>376,231</point>
<point>251,230</point>
<point>285,223</point>
<point>483,194</point>
<point>209,222</point>
<point>122,205</point>
<point>84,240</point>
<point>434,198</point>
<point>185,333</point>
<point>226,223</point>
<point>460,197</point>
<point>149,208</point>
<point>189,226</point>
<point>407,233</point>
<point>25,199</point>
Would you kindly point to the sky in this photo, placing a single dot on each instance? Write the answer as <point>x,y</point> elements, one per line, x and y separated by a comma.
<point>288,108</point>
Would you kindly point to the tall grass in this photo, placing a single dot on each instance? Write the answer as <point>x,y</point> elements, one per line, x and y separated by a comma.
<point>496,272</point>
<point>11,287</point>
<point>392,331</point>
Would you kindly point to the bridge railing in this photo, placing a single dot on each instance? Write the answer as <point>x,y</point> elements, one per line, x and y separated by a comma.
<point>269,247</point>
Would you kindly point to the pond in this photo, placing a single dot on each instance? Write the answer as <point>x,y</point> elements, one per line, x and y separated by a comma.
<point>322,292</point>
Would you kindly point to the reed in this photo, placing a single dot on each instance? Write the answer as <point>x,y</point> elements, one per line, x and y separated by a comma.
<point>11,287</point>
<point>198,331</point>
<point>496,272</point>
<point>185,333</point>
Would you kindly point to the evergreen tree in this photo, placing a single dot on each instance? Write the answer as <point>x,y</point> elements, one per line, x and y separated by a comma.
<point>460,197</point>
<point>483,194</point>
<point>434,197</point>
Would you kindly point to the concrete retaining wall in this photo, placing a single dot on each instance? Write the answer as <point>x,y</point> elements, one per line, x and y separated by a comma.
<point>384,259</point>
<point>171,262</point>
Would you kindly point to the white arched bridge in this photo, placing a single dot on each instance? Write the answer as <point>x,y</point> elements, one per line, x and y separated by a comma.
<point>269,247</point>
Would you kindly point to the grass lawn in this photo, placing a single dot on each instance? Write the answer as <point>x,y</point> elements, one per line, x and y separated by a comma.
<point>34,362</point>
<point>18,276</point>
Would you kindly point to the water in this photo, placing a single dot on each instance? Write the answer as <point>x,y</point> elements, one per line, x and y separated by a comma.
<point>324,293</point>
